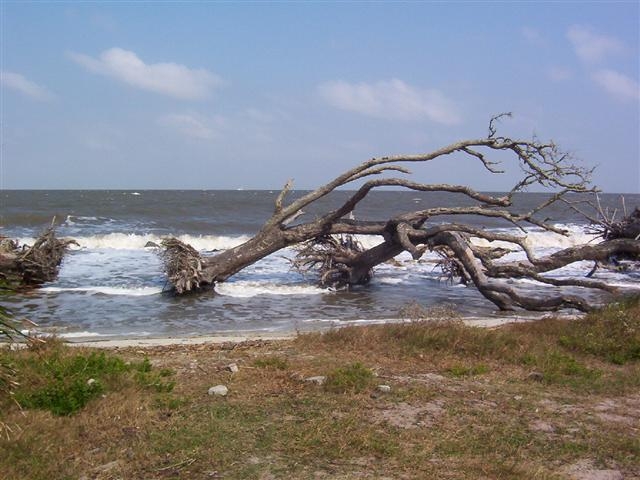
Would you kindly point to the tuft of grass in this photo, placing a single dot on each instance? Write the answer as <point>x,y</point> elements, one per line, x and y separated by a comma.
<point>63,380</point>
<point>460,370</point>
<point>271,362</point>
<point>352,378</point>
<point>421,337</point>
<point>561,368</point>
<point>612,333</point>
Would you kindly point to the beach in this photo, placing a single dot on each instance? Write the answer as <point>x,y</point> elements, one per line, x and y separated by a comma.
<point>552,398</point>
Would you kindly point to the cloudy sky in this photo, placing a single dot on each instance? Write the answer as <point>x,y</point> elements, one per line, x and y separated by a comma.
<point>228,95</point>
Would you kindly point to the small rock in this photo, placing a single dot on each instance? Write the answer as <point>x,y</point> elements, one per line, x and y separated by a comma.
<point>518,397</point>
<point>318,380</point>
<point>232,367</point>
<point>384,388</point>
<point>535,376</point>
<point>219,390</point>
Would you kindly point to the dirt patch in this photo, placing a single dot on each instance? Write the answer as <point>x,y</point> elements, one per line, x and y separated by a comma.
<point>404,415</point>
<point>585,470</point>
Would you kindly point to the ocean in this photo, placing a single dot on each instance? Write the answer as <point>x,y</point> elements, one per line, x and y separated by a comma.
<point>112,285</point>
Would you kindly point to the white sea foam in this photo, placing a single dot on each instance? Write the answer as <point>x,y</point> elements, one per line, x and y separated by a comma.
<point>369,241</point>
<point>37,333</point>
<point>390,280</point>
<point>80,335</point>
<point>539,239</point>
<point>131,241</point>
<point>245,289</point>
<point>134,292</point>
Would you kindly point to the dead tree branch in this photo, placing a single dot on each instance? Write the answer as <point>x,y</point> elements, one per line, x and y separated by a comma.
<point>340,261</point>
<point>31,266</point>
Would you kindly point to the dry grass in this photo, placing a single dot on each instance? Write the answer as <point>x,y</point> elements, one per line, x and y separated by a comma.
<point>463,405</point>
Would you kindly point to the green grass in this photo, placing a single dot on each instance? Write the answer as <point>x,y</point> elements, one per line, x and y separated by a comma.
<point>351,378</point>
<point>62,380</point>
<point>271,362</point>
<point>461,405</point>
<point>460,370</point>
<point>612,334</point>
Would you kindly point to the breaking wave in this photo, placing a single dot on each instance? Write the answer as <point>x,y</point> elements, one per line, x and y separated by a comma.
<point>132,241</point>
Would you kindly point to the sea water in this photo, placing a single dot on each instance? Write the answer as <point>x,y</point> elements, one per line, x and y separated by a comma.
<point>112,283</point>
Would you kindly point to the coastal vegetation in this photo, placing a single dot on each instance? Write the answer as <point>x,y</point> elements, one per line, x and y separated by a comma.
<point>427,398</point>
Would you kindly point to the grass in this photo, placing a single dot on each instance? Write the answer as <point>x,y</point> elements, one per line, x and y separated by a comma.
<point>62,381</point>
<point>352,378</point>
<point>272,362</point>
<point>463,405</point>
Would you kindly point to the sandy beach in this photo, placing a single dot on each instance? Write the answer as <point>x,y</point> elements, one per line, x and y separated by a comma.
<point>241,337</point>
<point>176,341</point>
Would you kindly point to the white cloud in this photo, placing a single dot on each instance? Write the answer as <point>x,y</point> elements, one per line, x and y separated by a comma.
<point>170,79</point>
<point>19,83</point>
<point>590,46</point>
<point>532,36</point>
<point>193,125</point>
<point>559,74</point>
<point>617,84</point>
<point>391,99</point>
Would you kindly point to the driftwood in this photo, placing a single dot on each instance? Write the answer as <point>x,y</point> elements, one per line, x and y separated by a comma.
<point>30,266</point>
<point>541,164</point>
<point>182,264</point>
<point>330,256</point>
<point>628,227</point>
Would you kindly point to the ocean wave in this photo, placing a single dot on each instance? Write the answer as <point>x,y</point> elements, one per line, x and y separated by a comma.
<point>132,241</point>
<point>133,292</point>
<point>73,220</point>
<point>245,289</point>
<point>539,239</point>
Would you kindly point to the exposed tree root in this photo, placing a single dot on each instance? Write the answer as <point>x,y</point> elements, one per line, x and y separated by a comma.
<point>182,264</point>
<point>24,266</point>
<point>329,256</point>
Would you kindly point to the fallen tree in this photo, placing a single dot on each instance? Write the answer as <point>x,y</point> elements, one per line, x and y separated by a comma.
<point>327,246</point>
<point>23,266</point>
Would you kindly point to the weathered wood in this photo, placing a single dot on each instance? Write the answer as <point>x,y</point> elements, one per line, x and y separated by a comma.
<point>31,266</point>
<point>542,164</point>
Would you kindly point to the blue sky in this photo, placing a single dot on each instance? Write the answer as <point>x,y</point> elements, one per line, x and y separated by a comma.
<point>228,95</point>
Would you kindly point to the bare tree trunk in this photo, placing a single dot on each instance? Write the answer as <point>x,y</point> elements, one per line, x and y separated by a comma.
<point>542,164</point>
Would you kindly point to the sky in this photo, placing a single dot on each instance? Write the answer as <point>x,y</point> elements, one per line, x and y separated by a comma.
<point>217,95</point>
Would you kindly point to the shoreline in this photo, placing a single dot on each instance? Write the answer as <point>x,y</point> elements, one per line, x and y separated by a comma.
<point>240,337</point>
<point>149,342</point>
